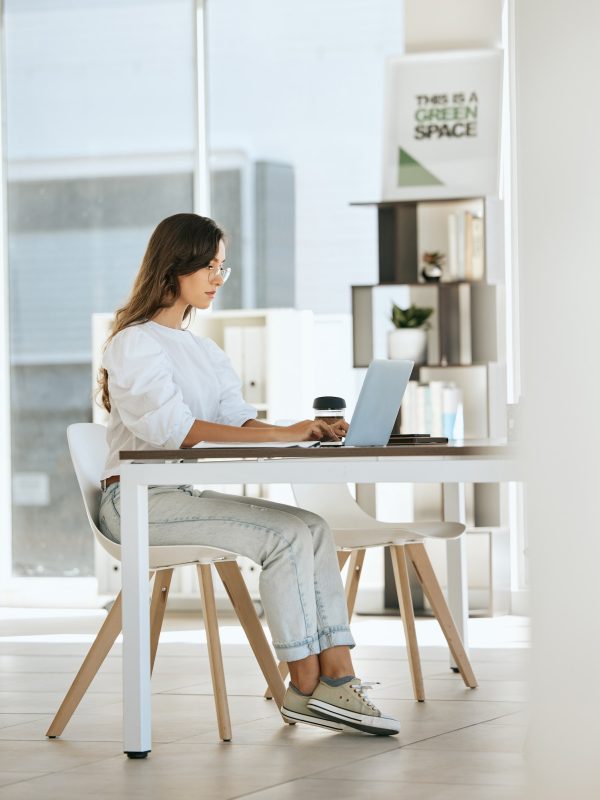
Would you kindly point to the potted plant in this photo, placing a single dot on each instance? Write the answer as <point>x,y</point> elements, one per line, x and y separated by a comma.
<point>409,337</point>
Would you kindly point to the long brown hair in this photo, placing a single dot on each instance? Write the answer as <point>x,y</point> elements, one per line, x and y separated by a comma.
<point>180,245</point>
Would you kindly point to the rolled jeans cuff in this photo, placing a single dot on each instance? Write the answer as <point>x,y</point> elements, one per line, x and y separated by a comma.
<point>333,636</point>
<point>294,651</point>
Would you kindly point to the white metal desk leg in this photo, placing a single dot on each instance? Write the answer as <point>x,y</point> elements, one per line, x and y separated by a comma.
<point>137,733</point>
<point>456,555</point>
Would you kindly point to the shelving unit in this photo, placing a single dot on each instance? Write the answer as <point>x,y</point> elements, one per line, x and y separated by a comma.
<point>467,326</point>
<point>271,349</point>
<point>465,347</point>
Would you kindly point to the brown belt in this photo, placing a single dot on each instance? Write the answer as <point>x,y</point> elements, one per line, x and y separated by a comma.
<point>108,481</point>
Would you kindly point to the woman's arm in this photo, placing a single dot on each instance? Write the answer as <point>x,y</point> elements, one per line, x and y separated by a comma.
<point>256,423</point>
<point>256,431</point>
<point>340,428</point>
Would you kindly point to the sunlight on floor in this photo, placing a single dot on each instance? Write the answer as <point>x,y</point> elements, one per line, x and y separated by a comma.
<point>491,632</point>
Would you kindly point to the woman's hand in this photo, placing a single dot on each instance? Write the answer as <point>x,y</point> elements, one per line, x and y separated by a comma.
<point>306,431</point>
<point>340,428</point>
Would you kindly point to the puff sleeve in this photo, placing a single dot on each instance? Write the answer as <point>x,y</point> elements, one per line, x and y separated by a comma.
<point>233,410</point>
<point>142,389</point>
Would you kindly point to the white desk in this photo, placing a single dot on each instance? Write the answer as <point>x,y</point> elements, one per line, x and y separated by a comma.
<point>451,465</point>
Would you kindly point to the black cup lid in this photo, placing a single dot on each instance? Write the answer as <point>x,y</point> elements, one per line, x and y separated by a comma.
<point>327,403</point>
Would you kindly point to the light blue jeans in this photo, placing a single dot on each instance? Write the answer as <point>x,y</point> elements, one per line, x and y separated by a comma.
<point>300,585</point>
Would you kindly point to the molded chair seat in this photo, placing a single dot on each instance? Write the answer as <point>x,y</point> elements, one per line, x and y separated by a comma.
<point>355,530</point>
<point>353,527</point>
<point>88,448</point>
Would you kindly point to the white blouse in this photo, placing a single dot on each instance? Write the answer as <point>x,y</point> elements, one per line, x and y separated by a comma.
<point>160,380</point>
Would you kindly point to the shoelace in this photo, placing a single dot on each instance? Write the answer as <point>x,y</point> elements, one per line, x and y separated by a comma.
<point>361,688</point>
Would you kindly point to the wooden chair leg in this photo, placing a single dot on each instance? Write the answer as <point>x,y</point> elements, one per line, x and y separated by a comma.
<point>408,619</point>
<point>284,671</point>
<point>354,572</point>
<point>428,580</point>
<point>237,590</point>
<point>111,628</point>
<point>106,637</point>
<point>343,556</point>
<point>213,641</point>
<point>158,604</point>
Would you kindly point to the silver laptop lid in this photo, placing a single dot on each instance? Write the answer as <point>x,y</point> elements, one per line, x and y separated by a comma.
<point>378,402</point>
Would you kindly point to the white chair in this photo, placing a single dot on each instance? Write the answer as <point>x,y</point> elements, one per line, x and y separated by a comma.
<point>87,444</point>
<point>354,531</point>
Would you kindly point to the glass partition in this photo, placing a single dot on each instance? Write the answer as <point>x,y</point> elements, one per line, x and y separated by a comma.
<point>101,133</point>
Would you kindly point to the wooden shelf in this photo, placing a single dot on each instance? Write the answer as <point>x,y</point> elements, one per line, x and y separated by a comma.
<point>432,283</point>
<point>463,328</point>
<point>451,366</point>
<point>388,203</point>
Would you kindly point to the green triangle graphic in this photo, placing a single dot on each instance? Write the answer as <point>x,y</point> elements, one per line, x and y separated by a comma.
<point>411,173</point>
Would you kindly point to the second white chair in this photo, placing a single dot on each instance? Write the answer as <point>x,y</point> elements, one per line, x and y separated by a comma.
<point>354,531</point>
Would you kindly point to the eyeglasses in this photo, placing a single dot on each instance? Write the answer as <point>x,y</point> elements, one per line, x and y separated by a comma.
<point>214,273</point>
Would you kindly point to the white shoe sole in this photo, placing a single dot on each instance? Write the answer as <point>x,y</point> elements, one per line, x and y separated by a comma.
<point>296,716</point>
<point>379,726</point>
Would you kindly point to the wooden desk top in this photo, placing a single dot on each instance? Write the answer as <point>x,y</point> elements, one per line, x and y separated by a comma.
<point>483,448</point>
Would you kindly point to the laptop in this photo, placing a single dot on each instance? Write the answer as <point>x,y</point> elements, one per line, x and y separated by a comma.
<point>374,416</point>
<point>377,405</point>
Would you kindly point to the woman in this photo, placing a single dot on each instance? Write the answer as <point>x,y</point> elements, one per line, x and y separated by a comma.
<point>165,387</point>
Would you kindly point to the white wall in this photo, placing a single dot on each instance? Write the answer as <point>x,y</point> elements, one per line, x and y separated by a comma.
<point>303,83</point>
<point>452,24</point>
<point>558,159</point>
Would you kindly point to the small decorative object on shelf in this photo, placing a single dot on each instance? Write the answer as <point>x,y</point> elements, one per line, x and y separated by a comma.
<point>409,339</point>
<point>432,266</point>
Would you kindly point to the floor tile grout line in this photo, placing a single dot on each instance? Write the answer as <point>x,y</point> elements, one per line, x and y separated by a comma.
<point>61,771</point>
<point>35,714</point>
<point>456,730</point>
<point>515,786</point>
<point>372,755</point>
<point>26,780</point>
<point>309,776</point>
<point>355,761</point>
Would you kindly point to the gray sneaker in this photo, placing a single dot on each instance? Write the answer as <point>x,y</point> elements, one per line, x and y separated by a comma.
<point>349,704</point>
<point>295,709</point>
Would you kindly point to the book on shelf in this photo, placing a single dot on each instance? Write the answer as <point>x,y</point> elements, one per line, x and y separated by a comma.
<point>452,412</point>
<point>451,270</point>
<point>423,408</point>
<point>477,249</point>
<point>465,247</point>
<point>435,398</point>
<point>460,245</point>
<point>408,416</point>
<point>468,255</point>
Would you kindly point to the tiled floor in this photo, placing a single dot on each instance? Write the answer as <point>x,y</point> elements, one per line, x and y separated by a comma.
<point>460,743</point>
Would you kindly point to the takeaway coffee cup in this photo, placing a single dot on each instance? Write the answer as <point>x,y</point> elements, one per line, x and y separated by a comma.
<point>329,409</point>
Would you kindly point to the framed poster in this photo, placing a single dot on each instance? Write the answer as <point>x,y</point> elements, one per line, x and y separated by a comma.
<point>442,125</point>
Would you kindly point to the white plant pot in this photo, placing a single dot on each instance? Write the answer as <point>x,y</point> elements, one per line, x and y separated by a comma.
<point>409,343</point>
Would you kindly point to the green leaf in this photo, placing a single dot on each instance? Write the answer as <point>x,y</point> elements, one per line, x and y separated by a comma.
<point>411,317</point>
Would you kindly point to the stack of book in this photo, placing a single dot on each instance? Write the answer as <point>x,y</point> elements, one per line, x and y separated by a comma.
<point>466,261</point>
<point>435,408</point>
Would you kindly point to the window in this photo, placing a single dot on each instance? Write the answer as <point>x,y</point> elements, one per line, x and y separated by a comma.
<point>101,144</point>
